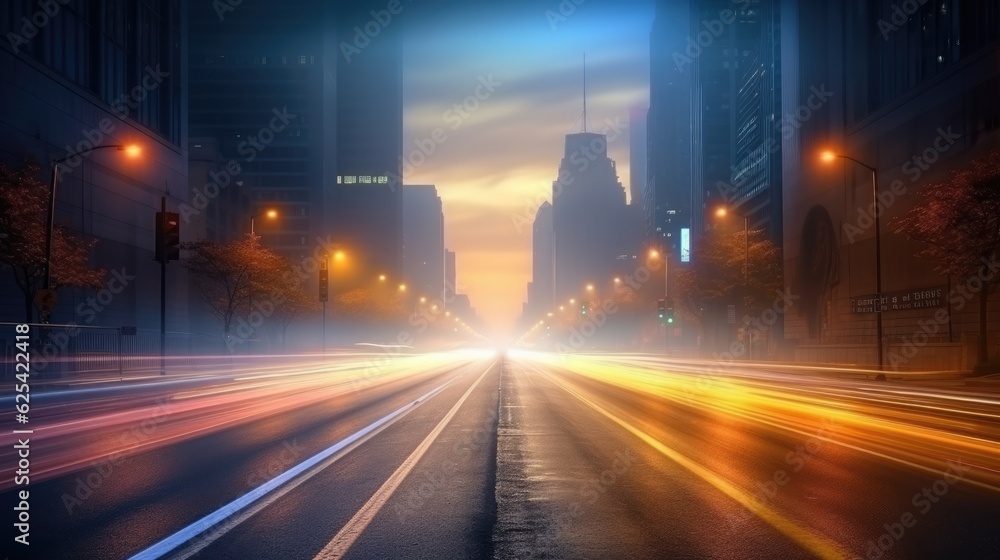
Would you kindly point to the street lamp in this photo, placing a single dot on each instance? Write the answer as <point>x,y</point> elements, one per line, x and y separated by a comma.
<point>131,150</point>
<point>655,254</point>
<point>381,277</point>
<point>828,157</point>
<point>270,214</point>
<point>722,212</point>
<point>590,287</point>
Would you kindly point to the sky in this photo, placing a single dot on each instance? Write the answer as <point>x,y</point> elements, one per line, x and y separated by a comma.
<point>494,157</point>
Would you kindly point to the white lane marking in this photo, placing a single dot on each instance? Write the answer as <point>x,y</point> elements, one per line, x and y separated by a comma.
<point>230,514</point>
<point>342,541</point>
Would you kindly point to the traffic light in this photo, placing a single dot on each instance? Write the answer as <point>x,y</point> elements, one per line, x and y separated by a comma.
<point>583,309</point>
<point>324,284</point>
<point>168,236</point>
<point>665,309</point>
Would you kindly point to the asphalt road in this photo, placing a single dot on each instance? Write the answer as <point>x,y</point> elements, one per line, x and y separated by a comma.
<point>476,455</point>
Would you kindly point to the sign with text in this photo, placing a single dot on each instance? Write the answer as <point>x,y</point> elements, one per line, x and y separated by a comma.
<point>923,298</point>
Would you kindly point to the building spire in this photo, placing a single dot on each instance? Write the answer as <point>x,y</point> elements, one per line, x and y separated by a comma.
<point>585,92</point>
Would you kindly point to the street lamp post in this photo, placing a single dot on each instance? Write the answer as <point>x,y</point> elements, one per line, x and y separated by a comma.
<point>829,157</point>
<point>132,151</point>
<point>666,291</point>
<point>324,292</point>
<point>722,212</point>
<point>270,214</point>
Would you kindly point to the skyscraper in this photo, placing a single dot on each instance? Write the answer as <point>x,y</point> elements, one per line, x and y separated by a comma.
<point>637,154</point>
<point>542,285</point>
<point>669,183</point>
<point>423,241</point>
<point>310,108</point>
<point>717,70</point>
<point>262,85</point>
<point>366,196</point>
<point>756,174</point>
<point>450,276</point>
<point>591,228</point>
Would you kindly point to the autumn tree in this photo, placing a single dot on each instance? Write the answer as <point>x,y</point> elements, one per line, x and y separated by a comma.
<point>367,305</point>
<point>958,223</point>
<point>291,297</point>
<point>23,219</point>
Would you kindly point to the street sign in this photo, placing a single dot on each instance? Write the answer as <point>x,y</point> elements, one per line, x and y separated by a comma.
<point>731,314</point>
<point>46,300</point>
<point>922,298</point>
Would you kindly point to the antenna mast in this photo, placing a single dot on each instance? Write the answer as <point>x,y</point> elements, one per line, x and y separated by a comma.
<point>585,92</point>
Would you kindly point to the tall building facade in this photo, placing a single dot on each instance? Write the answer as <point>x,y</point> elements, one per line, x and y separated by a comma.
<point>594,237</point>
<point>96,74</point>
<point>262,86</point>
<point>366,195</point>
<point>637,155</point>
<point>450,276</point>
<point>667,199</point>
<point>887,91</point>
<point>423,241</point>
<point>311,112</point>
<point>541,289</point>
<point>716,73</point>
<point>755,186</point>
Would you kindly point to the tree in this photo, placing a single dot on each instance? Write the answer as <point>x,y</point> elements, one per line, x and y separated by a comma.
<point>292,297</point>
<point>958,222</point>
<point>241,277</point>
<point>716,275</point>
<point>23,219</point>
<point>368,305</point>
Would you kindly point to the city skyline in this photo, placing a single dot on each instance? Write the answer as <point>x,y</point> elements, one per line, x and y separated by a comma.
<point>537,98</point>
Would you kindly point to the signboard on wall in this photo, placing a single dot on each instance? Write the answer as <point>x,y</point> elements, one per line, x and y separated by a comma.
<point>923,298</point>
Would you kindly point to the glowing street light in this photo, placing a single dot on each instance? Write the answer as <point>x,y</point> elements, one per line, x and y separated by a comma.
<point>402,287</point>
<point>828,157</point>
<point>381,277</point>
<point>722,212</point>
<point>132,150</point>
<point>590,287</point>
<point>423,299</point>
<point>269,214</point>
